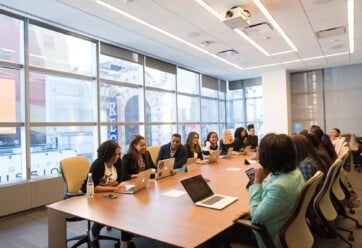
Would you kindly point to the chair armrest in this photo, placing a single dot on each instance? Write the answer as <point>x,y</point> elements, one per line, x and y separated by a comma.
<point>260,229</point>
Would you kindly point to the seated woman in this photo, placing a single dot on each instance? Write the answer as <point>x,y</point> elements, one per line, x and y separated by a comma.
<point>252,137</point>
<point>241,139</point>
<point>270,199</point>
<point>308,160</point>
<point>193,148</point>
<point>107,175</point>
<point>226,141</point>
<point>211,143</point>
<point>137,159</point>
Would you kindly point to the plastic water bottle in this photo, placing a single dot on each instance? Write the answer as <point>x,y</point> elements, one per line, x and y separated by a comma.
<point>90,186</point>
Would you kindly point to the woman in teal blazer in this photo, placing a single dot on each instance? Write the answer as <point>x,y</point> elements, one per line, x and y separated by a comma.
<point>271,199</point>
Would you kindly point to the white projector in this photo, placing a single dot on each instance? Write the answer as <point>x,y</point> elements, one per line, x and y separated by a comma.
<point>237,18</point>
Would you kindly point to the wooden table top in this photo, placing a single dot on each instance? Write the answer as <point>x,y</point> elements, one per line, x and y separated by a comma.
<point>173,220</point>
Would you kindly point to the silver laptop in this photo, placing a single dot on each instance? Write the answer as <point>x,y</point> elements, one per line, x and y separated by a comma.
<point>191,164</point>
<point>214,156</point>
<point>229,152</point>
<point>141,183</point>
<point>202,195</point>
<point>165,168</point>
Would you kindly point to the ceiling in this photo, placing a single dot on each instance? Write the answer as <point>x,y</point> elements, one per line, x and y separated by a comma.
<point>195,37</point>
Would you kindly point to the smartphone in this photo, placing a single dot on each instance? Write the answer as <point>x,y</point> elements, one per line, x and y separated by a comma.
<point>110,196</point>
<point>251,174</point>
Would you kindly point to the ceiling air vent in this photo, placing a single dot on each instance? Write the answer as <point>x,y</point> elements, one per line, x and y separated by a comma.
<point>228,53</point>
<point>331,32</point>
<point>261,28</point>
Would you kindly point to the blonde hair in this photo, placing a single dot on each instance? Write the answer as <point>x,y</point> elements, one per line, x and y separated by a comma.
<point>225,140</point>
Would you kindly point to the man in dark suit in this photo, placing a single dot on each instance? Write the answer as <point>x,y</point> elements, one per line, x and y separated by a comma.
<point>174,149</point>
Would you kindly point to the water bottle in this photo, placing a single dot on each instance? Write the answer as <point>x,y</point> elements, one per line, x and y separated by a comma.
<point>90,186</point>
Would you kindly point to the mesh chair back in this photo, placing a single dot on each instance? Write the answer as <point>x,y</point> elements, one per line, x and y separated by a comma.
<point>296,229</point>
<point>75,171</point>
<point>323,205</point>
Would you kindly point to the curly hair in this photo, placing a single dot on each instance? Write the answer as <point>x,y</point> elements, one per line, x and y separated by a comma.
<point>106,150</point>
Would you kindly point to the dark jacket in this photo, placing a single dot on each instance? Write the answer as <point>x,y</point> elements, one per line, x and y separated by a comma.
<point>130,165</point>
<point>180,155</point>
<point>240,143</point>
<point>190,154</point>
<point>224,148</point>
<point>253,140</point>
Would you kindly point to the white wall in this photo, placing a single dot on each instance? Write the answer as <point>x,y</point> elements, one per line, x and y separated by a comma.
<point>277,104</point>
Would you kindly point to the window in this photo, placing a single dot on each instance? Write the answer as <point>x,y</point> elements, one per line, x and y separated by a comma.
<point>12,39</point>
<point>209,110</point>
<point>188,108</point>
<point>60,99</point>
<point>54,50</point>
<point>160,74</point>
<point>161,106</point>
<point>160,134</point>
<point>188,82</point>
<point>185,129</point>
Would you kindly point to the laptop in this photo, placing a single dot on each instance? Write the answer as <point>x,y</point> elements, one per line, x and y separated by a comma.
<point>228,153</point>
<point>141,183</point>
<point>165,168</point>
<point>191,164</point>
<point>214,156</point>
<point>202,195</point>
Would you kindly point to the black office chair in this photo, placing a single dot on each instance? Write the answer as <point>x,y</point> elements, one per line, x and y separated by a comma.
<point>75,171</point>
<point>295,227</point>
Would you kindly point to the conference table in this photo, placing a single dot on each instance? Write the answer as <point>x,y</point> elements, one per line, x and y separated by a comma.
<point>163,211</point>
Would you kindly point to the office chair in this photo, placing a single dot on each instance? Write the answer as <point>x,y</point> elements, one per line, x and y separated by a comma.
<point>75,171</point>
<point>323,205</point>
<point>295,227</point>
<point>154,152</point>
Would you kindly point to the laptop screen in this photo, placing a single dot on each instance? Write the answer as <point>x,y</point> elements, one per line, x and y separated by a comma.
<point>197,188</point>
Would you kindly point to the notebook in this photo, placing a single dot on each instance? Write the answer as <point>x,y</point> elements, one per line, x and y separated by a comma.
<point>165,168</point>
<point>141,183</point>
<point>202,195</point>
<point>191,164</point>
<point>214,156</point>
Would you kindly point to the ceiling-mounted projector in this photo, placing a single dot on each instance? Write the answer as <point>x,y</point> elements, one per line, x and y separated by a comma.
<point>237,17</point>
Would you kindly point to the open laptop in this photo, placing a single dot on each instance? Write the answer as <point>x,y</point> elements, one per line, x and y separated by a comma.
<point>228,153</point>
<point>202,195</point>
<point>214,156</point>
<point>191,164</point>
<point>141,183</point>
<point>165,168</point>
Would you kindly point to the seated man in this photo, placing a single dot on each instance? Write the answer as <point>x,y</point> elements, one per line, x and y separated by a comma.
<point>174,149</point>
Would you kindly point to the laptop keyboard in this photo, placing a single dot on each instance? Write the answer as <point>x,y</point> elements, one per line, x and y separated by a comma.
<point>212,200</point>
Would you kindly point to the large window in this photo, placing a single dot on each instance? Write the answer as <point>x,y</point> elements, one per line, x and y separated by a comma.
<point>69,98</point>
<point>245,104</point>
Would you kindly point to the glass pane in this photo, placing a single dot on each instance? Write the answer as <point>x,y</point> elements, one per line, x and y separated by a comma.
<point>209,92</point>
<point>160,106</point>
<point>188,82</point>
<point>49,145</point>
<point>235,111</point>
<point>254,91</point>
<point>235,94</point>
<point>188,108</point>
<point>54,50</point>
<point>160,134</point>
<point>12,39</point>
<point>254,109</point>
<point>185,129</point>
<point>160,79</point>
<point>121,104</point>
<point>10,104</point>
<point>222,113</point>
<point>307,106</point>
<point>60,99</point>
<point>121,134</point>
<point>11,167</point>
<point>120,70</point>
<point>209,110</point>
<point>307,82</point>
